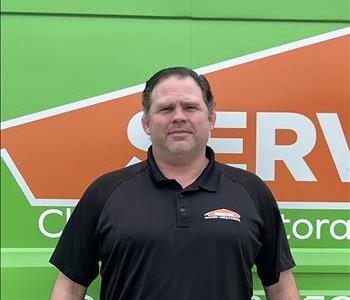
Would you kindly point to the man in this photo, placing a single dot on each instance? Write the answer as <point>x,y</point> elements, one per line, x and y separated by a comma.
<point>179,225</point>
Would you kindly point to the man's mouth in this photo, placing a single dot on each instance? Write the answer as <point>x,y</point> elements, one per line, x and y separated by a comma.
<point>178,131</point>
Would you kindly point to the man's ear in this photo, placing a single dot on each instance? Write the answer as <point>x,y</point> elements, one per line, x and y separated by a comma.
<point>145,123</point>
<point>212,119</point>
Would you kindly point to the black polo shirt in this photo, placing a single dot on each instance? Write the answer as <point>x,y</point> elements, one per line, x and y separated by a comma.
<point>157,241</point>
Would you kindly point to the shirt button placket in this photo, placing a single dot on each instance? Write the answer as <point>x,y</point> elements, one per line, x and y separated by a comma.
<point>182,214</point>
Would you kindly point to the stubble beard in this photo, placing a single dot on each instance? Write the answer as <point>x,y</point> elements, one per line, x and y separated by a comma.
<point>182,150</point>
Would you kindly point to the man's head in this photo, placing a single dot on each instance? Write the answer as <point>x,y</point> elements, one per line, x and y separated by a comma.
<point>178,114</point>
<point>179,72</point>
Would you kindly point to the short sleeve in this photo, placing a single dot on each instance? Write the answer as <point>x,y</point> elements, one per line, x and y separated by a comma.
<point>274,256</point>
<point>76,254</point>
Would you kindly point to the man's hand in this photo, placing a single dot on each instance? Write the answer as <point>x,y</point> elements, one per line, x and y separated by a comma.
<point>66,289</point>
<point>284,289</point>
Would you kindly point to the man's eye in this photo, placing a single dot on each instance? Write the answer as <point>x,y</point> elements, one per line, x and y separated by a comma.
<point>165,109</point>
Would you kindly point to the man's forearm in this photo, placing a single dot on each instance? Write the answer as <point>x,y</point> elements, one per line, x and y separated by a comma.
<point>66,289</point>
<point>285,289</point>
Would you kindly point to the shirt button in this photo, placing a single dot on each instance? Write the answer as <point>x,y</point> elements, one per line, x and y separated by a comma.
<point>182,209</point>
<point>181,196</point>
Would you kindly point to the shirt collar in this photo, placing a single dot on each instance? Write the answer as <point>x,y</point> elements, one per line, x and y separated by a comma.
<point>156,175</point>
<point>208,180</point>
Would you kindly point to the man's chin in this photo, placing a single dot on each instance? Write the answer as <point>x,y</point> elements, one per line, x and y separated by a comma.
<point>180,148</point>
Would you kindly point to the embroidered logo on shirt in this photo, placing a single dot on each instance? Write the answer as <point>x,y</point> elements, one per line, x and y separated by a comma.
<point>223,214</point>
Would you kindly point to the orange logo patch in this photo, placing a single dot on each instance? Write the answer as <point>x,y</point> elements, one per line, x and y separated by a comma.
<point>223,213</point>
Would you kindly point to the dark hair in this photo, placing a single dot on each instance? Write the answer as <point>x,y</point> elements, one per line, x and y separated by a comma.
<point>177,72</point>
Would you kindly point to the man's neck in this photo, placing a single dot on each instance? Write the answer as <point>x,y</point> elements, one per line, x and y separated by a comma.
<point>184,170</point>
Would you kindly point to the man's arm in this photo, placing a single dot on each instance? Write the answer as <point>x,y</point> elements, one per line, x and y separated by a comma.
<point>66,289</point>
<point>284,289</point>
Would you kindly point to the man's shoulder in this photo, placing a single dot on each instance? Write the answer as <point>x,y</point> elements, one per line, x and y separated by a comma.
<point>255,186</point>
<point>114,178</point>
<point>98,192</point>
<point>239,175</point>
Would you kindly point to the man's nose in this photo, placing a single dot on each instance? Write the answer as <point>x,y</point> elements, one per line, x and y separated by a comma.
<point>179,115</point>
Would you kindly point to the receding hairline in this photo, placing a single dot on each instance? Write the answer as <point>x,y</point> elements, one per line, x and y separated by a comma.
<point>180,77</point>
<point>180,73</point>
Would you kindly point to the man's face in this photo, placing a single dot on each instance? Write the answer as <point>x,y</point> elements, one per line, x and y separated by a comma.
<point>178,121</point>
